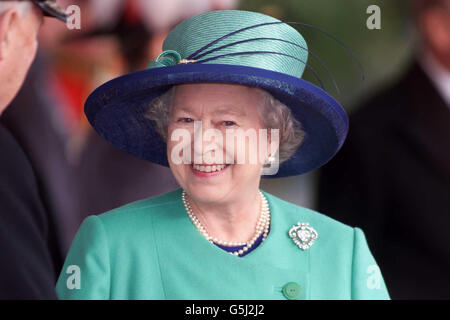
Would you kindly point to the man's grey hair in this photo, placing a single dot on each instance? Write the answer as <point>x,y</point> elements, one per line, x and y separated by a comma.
<point>273,114</point>
<point>22,7</point>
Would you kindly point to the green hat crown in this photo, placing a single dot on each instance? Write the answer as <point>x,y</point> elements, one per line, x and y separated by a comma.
<point>217,37</point>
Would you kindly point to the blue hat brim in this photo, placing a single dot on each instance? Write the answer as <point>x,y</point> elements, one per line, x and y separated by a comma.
<point>117,110</point>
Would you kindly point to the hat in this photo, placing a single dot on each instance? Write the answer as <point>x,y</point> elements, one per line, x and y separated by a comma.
<point>225,46</point>
<point>49,7</point>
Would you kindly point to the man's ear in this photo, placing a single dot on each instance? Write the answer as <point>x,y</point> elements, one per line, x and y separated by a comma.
<point>7,19</point>
<point>435,28</point>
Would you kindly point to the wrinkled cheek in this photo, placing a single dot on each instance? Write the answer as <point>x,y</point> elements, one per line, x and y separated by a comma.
<point>178,170</point>
<point>179,147</point>
<point>245,152</point>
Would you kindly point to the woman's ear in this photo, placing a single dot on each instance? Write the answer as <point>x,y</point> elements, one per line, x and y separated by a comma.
<point>7,20</point>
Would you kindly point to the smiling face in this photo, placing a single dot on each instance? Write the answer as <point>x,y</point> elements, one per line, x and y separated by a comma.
<point>219,107</point>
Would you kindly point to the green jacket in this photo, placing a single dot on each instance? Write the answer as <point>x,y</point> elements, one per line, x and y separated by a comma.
<point>150,249</point>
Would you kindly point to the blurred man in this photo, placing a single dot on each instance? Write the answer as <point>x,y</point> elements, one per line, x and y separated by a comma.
<point>392,176</point>
<point>26,270</point>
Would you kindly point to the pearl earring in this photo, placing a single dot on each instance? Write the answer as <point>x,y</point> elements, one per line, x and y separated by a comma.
<point>269,160</point>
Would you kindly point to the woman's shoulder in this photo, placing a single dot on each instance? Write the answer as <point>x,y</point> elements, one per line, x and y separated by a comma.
<point>292,212</point>
<point>339,253</point>
<point>140,209</point>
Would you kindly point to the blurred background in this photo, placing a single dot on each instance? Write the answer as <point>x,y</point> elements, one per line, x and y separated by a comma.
<point>81,174</point>
<point>384,55</point>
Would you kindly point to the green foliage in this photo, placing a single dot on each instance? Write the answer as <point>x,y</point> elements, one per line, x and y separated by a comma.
<point>383,53</point>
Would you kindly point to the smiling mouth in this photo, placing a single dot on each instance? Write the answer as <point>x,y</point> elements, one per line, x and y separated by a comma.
<point>209,168</point>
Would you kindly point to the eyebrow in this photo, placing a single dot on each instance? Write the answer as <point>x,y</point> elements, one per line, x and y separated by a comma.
<point>182,108</point>
<point>228,109</point>
<point>223,110</point>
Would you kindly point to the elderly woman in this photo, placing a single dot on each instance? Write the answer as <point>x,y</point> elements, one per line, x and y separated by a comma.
<point>222,105</point>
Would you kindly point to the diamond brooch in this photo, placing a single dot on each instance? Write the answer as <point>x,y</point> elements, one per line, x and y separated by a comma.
<point>303,235</point>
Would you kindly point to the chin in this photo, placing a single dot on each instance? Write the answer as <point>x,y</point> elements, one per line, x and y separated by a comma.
<point>206,193</point>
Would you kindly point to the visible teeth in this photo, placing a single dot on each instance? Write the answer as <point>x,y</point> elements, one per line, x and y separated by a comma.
<point>209,168</point>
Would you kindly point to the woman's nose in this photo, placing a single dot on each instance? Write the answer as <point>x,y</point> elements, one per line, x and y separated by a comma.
<point>207,140</point>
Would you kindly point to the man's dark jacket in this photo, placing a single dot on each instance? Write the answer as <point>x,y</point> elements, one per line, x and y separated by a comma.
<point>26,268</point>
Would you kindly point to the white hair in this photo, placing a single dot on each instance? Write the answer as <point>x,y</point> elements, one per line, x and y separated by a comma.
<point>22,7</point>
<point>273,113</point>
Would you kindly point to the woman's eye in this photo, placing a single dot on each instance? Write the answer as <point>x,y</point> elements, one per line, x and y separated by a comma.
<point>229,123</point>
<point>186,120</point>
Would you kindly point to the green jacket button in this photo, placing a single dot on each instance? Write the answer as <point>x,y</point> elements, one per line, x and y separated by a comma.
<point>292,290</point>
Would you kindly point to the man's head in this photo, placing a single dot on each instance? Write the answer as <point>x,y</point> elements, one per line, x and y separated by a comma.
<point>19,25</point>
<point>433,17</point>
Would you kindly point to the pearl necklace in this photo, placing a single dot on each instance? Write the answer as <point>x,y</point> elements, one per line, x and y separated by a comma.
<point>262,227</point>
